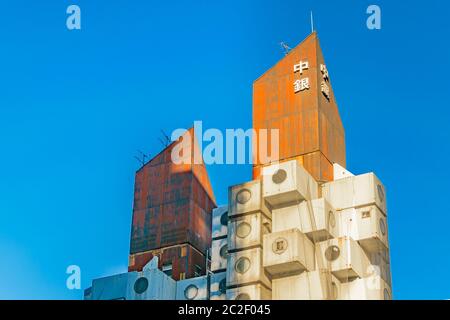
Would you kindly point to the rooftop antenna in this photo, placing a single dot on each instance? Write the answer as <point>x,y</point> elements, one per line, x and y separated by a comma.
<point>312,22</point>
<point>162,142</point>
<point>142,158</point>
<point>285,47</point>
<point>166,140</point>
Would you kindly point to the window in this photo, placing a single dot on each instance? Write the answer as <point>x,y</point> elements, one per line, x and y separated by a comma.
<point>383,227</point>
<point>223,286</point>
<point>243,196</point>
<point>331,219</point>
<point>332,253</point>
<point>366,214</point>
<point>279,177</point>
<point>242,265</point>
<point>191,292</point>
<point>141,285</point>
<point>243,230</point>
<point>380,192</point>
<point>224,251</point>
<point>279,245</point>
<point>224,218</point>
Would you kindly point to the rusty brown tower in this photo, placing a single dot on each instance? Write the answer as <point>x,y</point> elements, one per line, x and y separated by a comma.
<point>296,97</point>
<point>172,213</point>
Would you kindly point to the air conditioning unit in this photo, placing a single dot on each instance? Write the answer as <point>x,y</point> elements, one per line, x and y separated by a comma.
<point>220,222</point>
<point>219,254</point>
<point>315,285</point>
<point>372,288</point>
<point>288,252</point>
<point>367,225</point>
<point>192,289</point>
<point>246,198</point>
<point>246,267</point>
<point>288,183</point>
<point>218,286</point>
<point>344,257</point>
<point>358,191</point>
<point>251,292</point>
<point>247,231</point>
<point>151,284</point>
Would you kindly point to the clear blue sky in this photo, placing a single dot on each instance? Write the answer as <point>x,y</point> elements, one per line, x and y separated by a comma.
<point>76,105</point>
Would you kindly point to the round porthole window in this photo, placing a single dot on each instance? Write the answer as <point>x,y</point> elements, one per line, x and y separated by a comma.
<point>141,285</point>
<point>382,227</point>
<point>380,192</point>
<point>223,286</point>
<point>224,219</point>
<point>242,265</point>
<point>387,295</point>
<point>279,176</point>
<point>332,253</point>
<point>331,219</point>
<point>243,296</point>
<point>191,292</point>
<point>279,245</point>
<point>243,230</point>
<point>224,251</point>
<point>243,196</point>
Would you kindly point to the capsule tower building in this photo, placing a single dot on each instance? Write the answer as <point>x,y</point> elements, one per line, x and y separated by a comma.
<point>305,227</point>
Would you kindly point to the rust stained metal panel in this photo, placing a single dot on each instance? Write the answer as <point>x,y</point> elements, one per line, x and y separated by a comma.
<point>172,205</point>
<point>200,228</point>
<point>307,120</point>
<point>195,259</point>
<point>319,166</point>
<point>174,223</point>
<point>183,258</point>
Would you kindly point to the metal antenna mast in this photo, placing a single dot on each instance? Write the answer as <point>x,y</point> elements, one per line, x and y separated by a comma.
<point>312,22</point>
<point>142,158</point>
<point>285,47</point>
<point>166,141</point>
